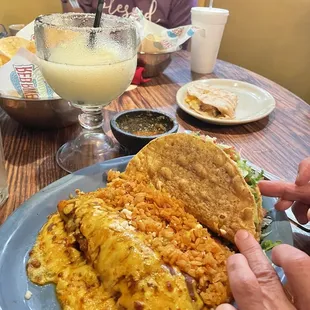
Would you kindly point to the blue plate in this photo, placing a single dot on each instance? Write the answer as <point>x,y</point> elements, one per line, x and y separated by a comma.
<point>19,232</point>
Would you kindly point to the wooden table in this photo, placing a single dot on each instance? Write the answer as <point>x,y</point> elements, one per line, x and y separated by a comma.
<point>276,143</point>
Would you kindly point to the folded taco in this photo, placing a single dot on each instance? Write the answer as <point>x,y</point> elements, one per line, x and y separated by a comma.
<point>211,101</point>
<point>217,187</point>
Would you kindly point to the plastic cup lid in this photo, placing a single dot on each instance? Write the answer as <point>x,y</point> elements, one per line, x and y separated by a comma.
<point>209,11</point>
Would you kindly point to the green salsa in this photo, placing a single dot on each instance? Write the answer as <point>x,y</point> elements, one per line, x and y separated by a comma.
<point>144,124</point>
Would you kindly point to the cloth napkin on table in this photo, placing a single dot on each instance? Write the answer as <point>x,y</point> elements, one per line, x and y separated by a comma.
<point>138,77</point>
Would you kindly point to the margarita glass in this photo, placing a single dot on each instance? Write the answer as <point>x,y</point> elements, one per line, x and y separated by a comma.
<point>89,67</point>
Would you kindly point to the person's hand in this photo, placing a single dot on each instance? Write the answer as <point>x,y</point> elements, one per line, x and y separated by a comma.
<point>255,284</point>
<point>296,195</point>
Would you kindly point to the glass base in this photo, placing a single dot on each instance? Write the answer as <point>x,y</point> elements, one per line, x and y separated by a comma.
<point>87,149</point>
<point>4,195</point>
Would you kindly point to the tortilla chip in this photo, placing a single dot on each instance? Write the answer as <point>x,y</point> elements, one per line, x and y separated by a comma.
<point>32,47</point>
<point>9,46</point>
<point>54,37</point>
<point>3,60</point>
<point>204,177</point>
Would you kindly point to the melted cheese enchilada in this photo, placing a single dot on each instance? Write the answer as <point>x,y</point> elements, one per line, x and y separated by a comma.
<point>129,246</point>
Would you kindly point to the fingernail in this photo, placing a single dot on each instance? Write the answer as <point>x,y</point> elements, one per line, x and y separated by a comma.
<point>242,234</point>
<point>308,215</point>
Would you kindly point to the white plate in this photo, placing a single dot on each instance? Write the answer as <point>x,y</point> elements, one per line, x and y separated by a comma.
<point>254,103</point>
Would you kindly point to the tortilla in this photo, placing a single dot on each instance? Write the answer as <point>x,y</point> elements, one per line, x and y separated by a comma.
<point>211,101</point>
<point>205,178</point>
<point>9,46</point>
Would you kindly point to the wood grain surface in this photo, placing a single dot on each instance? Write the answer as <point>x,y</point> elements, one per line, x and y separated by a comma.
<point>276,143</point>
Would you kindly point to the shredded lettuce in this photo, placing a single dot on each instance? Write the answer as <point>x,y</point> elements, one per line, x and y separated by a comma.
<point>265,228</point>
<point>251,176</point>
<point>201,136</point>
<point>267,221</point>
<point>268,244</point>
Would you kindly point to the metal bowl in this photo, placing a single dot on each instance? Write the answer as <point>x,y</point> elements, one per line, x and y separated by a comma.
<point>40,114</point>
<point>154,64</point>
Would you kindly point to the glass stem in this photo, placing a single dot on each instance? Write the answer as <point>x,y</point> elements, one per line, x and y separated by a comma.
<point>91,119</point>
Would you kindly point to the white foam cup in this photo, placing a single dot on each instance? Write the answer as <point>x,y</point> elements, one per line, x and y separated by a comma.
<point>206,42</point>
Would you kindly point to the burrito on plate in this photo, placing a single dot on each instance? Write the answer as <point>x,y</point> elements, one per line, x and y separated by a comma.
<point>211,101</point>
<point>146,251</point>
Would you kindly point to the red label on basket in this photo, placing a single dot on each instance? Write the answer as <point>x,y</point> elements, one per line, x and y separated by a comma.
<point>25,76</point>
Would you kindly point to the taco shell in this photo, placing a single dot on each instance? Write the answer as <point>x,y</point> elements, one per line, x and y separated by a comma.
<point>205,178</point>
